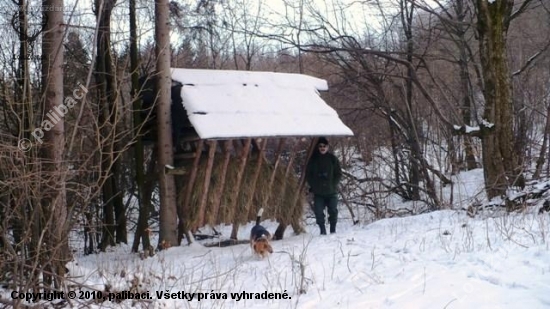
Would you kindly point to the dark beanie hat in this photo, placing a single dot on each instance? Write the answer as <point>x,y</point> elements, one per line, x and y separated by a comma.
<point>322,140</point>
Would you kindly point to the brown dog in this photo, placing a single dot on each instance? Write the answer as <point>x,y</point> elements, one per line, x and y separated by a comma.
<point>260,237</point>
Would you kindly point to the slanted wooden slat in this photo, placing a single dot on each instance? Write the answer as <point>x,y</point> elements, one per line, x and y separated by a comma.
<point>296,226</point>
<point>283,222</point>
<point>223,175</point>
<point>274,173</point>
<point>185,197</point>
<point>206,185</point>
<point>243,160</point>
<point>255,178</point>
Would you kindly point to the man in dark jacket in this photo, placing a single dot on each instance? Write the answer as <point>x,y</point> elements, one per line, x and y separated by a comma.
<point>323,173</point>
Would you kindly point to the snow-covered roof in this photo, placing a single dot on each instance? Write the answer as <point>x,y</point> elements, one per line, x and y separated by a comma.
<point>234,104</point>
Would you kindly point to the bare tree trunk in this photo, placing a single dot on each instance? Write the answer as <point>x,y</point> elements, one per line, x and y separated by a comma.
<point>395,153</point>
<point>543,149</point>
<point>143,216</point>
<point>147,207</point>
<point>500,162</point>
<point>168,210</point>
<point>407,14</point>
<point>55,205</point>
<point>465,82</point>
<point>114,218</point>
<point>23,94</point>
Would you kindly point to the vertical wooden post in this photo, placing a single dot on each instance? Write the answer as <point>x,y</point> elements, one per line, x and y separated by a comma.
<point>283,222</point>
<point>243,160</point>
<point>206,186</point>
<point>216,201</point>
<point>296,226</point>
<point>185,198</point>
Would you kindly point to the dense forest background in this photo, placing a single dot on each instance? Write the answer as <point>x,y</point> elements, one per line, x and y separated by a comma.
<point>433,87</point>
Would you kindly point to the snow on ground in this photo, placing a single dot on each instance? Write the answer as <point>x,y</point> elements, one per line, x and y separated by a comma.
<point>442,259</point>
<point>438,260</point>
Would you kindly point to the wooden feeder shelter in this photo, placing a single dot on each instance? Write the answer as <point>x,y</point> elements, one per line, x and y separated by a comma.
<point>242,139</point>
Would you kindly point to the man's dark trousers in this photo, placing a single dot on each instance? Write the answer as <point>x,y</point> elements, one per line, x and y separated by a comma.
<point>319,204</point>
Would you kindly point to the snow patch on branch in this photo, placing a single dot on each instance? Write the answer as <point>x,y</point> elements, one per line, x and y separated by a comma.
<point>467,129</point>
<point>487,124</point>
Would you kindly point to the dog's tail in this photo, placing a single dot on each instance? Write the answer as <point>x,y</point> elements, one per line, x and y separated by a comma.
<point>259,216</point>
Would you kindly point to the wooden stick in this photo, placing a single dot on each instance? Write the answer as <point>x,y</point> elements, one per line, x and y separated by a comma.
<point>296,226</point>
<point>274,173</point>
<point>243,160</point>
<point>216,201</point>
<point>283,222</point>
<point>185,200</point>
<point>348,205</point>
<point>206,186</point>
<point>255,177</point>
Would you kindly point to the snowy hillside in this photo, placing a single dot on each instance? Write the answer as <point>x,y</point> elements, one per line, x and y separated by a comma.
<point>442,259</point>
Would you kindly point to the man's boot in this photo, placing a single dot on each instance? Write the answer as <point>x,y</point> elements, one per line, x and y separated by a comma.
<point>323,229</point>
<point>333,228</point>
